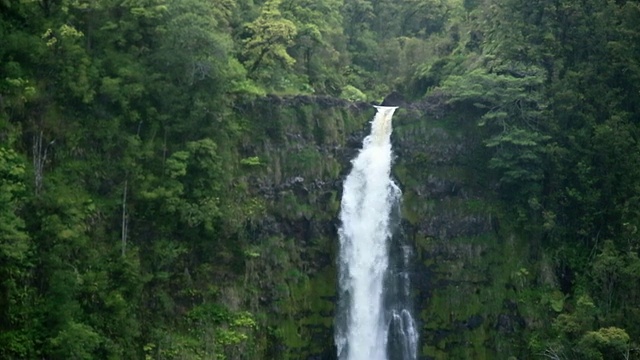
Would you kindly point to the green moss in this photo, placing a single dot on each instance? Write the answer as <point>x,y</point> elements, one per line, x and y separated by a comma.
<point>307,328</point>
<point>289,331</point>
<point>304,117</point>
<point>307,161</point>
<point>414,208</point>
<point>475,276</point>
<point>290,206</point>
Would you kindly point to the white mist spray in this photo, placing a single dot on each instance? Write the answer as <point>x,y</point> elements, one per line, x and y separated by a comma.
<point>362,326</point>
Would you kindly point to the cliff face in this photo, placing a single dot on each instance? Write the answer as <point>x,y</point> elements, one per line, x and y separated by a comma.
<point>304,145</point>
<point>470,276</point>
<point>465,262</point>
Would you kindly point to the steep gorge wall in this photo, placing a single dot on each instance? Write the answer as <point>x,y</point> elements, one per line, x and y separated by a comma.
<point>465,262</point>
<point>472,273</point>
<point>304,145</point>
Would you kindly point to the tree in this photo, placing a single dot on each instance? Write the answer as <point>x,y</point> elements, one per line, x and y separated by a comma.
<point>268,38</point>
<point>319,44</point>
<point>511,109</point>
<point>612,342</point>
<point>16,261</point>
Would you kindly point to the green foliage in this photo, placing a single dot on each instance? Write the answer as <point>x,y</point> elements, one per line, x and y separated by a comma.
<point>543,81</point>
<point>572,325</point>
<point>507,99</point>
<point>138,211</point>
<point>509,105</point>
<point>352,93</point>
<point>251,161</point>
<point>74,341</point>
<point>611,342</point>
<point>269,36</point>
<point>16,259</point>
<point>13,241</point>
<point>232,330</point>
<point>557,300</point>
<point>519,158</point>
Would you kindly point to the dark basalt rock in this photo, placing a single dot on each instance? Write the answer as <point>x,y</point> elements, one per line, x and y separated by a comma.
<point>474,322</point>
<point>451,226</point>
<point>394,99</point>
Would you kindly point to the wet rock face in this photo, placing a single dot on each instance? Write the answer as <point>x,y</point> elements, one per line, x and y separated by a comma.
<point>306,145</point>
<point>449,226</point>
<point>450,215</point>
<point>394,99</point>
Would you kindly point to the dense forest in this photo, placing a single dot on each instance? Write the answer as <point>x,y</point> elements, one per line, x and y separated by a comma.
<point>154,203</point>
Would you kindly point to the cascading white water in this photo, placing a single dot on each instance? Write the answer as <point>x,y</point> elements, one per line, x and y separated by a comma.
<point>369,195</point>
<point>403,333</point>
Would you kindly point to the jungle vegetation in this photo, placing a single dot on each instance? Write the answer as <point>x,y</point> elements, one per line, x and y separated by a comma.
<point>126,210</point>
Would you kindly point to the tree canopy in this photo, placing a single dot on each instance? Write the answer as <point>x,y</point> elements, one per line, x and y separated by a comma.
<point>127,222</point>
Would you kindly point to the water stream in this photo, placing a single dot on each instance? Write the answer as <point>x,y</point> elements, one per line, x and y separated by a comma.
<point>374,320</point>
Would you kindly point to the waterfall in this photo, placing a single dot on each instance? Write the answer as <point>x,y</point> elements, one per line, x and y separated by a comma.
<point>373,320</point>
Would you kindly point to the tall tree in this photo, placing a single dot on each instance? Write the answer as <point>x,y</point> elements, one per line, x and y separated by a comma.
<point>268,38</point>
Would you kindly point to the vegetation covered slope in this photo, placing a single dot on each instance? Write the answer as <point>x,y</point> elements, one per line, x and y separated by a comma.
<point>155,202</point>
